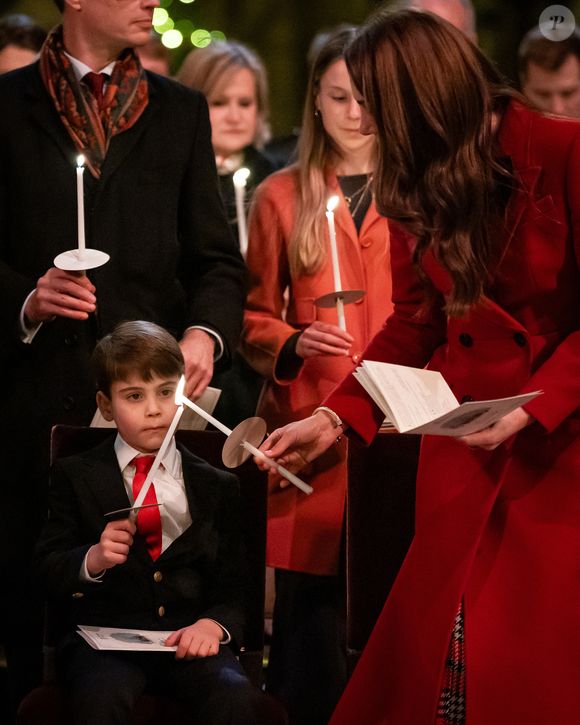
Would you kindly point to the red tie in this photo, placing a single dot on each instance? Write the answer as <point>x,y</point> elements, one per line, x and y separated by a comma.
<point>149,519</point>
<point>96,83</point>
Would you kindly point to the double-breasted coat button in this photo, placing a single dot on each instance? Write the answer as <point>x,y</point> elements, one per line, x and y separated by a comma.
<point>161,611</point>
<point>465,339</point>
<point>467,399</point>
<point>520,339</point>
<point>366,243</point>
<point>157,577</point>
<point>78,595</point>
<point>68,402</point>
<point>356,358</point>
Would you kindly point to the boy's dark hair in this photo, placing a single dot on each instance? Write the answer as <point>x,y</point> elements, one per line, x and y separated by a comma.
<point>136,348</point>
<point>21,31</point>
<point>59,4</point>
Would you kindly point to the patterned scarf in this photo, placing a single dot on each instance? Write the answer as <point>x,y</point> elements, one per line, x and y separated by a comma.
<point>91,128</point>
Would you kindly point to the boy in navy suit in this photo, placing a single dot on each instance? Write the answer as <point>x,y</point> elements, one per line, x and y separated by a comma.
<point>180,567</point>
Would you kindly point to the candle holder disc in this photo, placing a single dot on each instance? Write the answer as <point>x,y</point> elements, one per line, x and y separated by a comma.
<point>251,430</point>
<point>76,260</point>
<point>347,296</point>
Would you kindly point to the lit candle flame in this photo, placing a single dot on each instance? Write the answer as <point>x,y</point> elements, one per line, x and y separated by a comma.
<point>241,176</point>
<point>332,203</point>
<point>179,391</point>
<point>80,160</point>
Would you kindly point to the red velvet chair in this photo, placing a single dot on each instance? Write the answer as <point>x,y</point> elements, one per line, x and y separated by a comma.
<point>379,528</point>
<point>46,705</point>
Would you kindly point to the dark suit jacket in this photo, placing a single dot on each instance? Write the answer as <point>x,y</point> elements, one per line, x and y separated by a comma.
<point>201,574</point>
<point>156,210</point>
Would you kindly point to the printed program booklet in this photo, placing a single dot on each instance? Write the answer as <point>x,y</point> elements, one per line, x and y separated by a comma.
<point>419,401</point>
<point>120,638</point>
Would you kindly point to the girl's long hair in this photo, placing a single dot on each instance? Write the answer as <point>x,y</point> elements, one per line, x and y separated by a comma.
<point>316,151</point>
<point>435,99</point>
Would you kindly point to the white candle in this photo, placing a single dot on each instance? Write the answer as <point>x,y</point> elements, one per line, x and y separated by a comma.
<point>166,441</point>
<point>81,205</point>
<point>240,178</point>
<point>281,470</point>
<point>330,207</point>
<point>248,446</point>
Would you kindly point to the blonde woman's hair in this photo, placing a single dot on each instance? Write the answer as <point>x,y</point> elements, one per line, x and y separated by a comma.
<point>307,249</point>
<point>207,69</point>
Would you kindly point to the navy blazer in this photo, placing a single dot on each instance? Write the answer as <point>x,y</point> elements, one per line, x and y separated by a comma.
<point>201,574</point>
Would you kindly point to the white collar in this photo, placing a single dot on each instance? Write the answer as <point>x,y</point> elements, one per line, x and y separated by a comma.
<point>81,69</point>
<point>126,453</point>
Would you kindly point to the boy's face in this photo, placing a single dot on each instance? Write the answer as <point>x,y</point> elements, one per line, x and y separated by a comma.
<point>142,410</point>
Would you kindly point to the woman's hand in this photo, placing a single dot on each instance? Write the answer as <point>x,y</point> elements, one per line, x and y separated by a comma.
<point>297,444</point>
<point>496,434</point>
<point>320,338</point>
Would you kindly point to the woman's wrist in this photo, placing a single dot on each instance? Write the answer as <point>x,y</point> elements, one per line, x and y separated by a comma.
<point>337,426</point>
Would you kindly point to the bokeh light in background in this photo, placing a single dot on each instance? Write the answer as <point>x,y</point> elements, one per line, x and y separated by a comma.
<point>174,32</point>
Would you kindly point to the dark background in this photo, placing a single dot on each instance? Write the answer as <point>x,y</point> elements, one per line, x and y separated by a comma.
<point>281,31</point>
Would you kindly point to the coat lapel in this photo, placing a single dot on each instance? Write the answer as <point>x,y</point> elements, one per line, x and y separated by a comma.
<point>103,479</point>
<point>122,144</point>
<point>44,115</point>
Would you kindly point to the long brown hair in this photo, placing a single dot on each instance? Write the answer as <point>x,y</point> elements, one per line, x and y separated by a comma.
<point>316,152</point>
<point>433,96</point>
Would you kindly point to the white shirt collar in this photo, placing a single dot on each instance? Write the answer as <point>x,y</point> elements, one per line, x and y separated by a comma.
<point>126,453</point>
<point>81,69</point>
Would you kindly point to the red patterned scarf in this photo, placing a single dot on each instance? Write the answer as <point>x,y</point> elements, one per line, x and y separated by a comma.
<point>91,128</point>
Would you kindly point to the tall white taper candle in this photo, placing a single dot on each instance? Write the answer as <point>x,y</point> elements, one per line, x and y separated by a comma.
<point>81,205</point>
<point>239,179</point>
<point>330,207</point>
<point>288,475</point>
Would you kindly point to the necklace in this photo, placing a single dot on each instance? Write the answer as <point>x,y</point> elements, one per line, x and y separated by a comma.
<point>358,196</point>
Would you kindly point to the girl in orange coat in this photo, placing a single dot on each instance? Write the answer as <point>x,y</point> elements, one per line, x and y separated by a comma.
<point>481,625</point>
<point>302,352</point>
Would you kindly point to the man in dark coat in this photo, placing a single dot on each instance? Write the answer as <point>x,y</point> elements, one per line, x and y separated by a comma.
<point>151,202</point>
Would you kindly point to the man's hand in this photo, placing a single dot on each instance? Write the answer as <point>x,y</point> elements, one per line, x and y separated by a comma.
<point>61,294</point>
<point>198,348</point>
<point>320,338</point>
<point>201,639</point>
<point>113,548</point>
<point>504,428</point>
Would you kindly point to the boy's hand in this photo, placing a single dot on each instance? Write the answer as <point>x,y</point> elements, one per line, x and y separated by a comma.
<point>113,548</point>
<point>201,639</point>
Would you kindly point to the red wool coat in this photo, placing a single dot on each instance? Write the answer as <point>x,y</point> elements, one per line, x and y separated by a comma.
<point>304,532</point>
<point>500,529</point>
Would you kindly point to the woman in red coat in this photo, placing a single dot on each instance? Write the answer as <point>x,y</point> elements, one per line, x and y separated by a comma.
<point>302,352</point>
<point>482,624</point>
